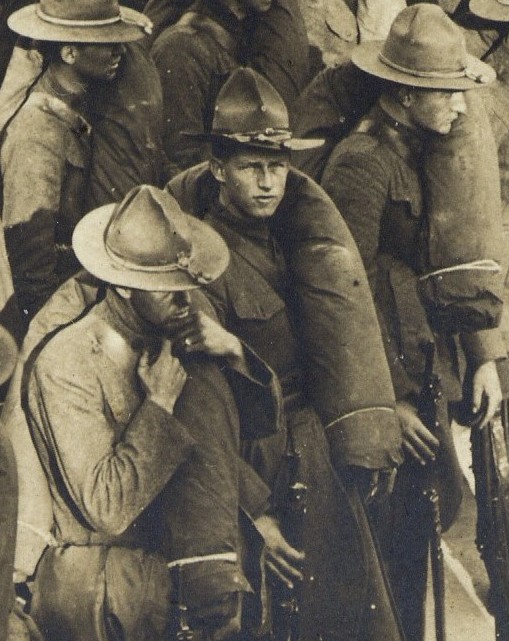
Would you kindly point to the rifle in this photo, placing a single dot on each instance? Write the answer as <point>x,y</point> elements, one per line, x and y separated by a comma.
<point>179,629</point>
<point>427,405</point>
<point>292,509</point>
<point>490,447</point>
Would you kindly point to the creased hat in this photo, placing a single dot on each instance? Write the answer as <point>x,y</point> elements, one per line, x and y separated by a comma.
<point>78,21</point>
<point>251,112</point>
<point>426,49</point>
<point>147,242</point>
<point>497,10</point>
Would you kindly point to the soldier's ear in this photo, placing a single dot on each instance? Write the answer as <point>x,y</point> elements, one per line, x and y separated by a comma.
<point>69,53</point>
<point>405,96</point>
<point>123,292</point>
<point>217,170</point>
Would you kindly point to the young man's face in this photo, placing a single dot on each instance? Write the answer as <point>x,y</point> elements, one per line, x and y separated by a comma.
<point>253,181</point>
<point>98,61</point>
<point>435,110</point>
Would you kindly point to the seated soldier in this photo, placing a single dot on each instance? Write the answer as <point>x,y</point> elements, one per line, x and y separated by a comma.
<point>140,446</point>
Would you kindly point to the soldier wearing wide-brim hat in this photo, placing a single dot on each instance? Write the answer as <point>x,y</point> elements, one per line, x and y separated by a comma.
<point>393,198</point>
<point>45,154</point>
<point>296,292</point>
<point>146,515</point>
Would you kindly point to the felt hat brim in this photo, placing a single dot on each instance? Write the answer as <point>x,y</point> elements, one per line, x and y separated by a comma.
<point>210,253</point>
<point>490,10</point>
<point>129,28</point>
<point>366,57</point>
<point>292,144</point>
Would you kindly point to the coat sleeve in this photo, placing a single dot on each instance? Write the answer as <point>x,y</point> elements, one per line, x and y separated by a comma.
<point>32,170</point>
<point>358,185</point>
<point>109,479</point>
<point>346,373</point>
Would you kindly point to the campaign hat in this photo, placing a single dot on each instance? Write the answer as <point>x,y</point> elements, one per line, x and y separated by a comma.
<point>147,242</point>
<point>250,112</point>
<point>75,21</point>
<point>424,48</point>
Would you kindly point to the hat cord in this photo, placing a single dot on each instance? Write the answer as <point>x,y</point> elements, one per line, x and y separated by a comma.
<point>76,23</point>
<point>463,73</point>
<point>183,264</point>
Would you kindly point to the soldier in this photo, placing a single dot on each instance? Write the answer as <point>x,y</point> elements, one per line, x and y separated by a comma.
<point>296,292</point>
<point>376,178</point>
<point>140,447</point>
<point>45,153</point>
<point>211,39</point>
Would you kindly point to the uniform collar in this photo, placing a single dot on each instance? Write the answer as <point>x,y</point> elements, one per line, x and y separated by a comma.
<point>404,140</point>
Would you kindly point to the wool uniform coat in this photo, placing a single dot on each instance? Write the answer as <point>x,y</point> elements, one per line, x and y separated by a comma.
<point>344,595</point>
<point>145,482</point>
<point>44,159</point>
<point>374,178</point>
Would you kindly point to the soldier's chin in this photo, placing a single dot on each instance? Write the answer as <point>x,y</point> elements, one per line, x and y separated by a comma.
<point>174,326</point>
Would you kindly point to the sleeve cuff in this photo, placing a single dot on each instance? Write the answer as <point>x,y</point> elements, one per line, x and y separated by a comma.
<point>483,346</point>
<point>369,438</point>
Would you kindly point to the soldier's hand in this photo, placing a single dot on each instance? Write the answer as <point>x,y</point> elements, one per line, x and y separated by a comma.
<point>163,379</point>
<point>221,619</point>
<point>281,558</point>
<point>486,391</point>
<point>418,441</point>
<point>200,333</point>
<point>381,485</point>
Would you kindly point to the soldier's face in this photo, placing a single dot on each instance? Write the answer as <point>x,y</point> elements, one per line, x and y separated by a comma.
<point>253,182</point>
<point>98,61</point>
<point>435,110</point>
<point>162,309</point>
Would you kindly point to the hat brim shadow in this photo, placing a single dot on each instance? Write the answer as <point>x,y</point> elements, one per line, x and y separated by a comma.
<point>26,22</point>
<point>210,254</point>
<point>293,144</point>
<point>366,57</point>
<point>489,10</point>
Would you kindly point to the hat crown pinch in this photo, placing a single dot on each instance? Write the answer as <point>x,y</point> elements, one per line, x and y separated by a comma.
<point>424,40</point>
<point>148,231</point>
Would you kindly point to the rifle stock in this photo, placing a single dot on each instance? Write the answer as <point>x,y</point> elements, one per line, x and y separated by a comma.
<point>292,510</point>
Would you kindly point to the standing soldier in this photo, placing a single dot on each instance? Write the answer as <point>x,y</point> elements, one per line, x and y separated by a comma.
<point>140,447</point>
<point>376,177</point>
<point>296,292</point>
<point>45,153</point>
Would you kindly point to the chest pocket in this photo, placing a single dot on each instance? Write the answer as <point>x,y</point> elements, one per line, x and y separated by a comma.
<point>259,317</point>
<point>259,305</point>
<point>401,224</point>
